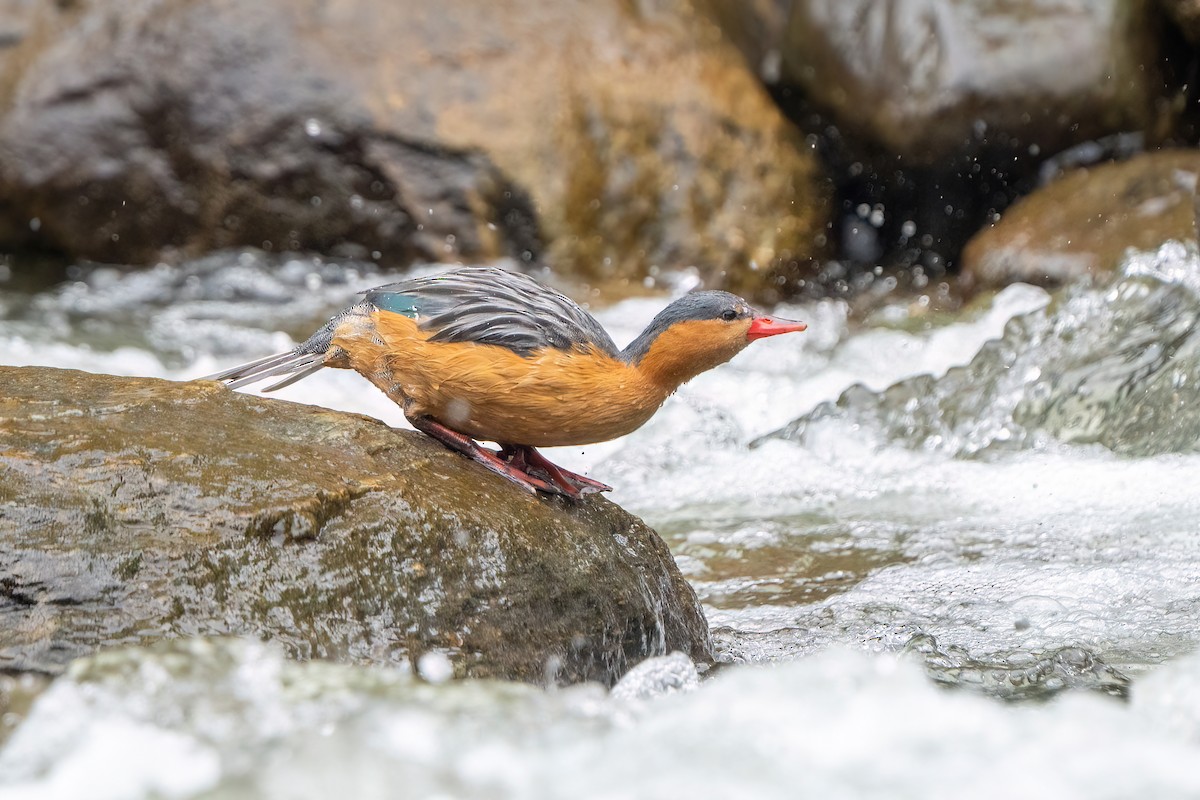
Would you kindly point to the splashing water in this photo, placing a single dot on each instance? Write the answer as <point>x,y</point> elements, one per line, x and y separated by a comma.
<point>1118,367</point>
<point>230,720</point>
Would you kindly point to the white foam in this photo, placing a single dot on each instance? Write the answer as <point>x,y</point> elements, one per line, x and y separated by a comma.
<point>836,725</point>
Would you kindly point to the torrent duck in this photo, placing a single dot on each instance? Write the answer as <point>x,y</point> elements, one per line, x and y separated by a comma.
<point>485,353</point>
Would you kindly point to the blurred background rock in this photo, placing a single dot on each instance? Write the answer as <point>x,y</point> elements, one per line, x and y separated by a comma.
<point>777,146</point>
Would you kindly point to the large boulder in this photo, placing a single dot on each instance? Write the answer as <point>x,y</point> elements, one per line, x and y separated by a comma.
<point>926,79</point>
<point>136,509</point>
<point>606,137</point>
<point>1083,223</point>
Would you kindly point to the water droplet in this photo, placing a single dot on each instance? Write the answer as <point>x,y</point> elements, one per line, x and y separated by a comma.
<point>435,667</point>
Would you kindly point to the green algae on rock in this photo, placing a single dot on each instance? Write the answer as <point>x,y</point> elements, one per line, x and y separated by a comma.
<point>136,509</point>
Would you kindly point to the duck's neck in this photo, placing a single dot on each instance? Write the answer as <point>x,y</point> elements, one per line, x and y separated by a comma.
<point>672,356</point>
<point>637,349</point>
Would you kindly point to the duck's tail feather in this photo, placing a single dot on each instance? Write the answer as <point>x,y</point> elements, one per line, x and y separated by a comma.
<point>295,364</point>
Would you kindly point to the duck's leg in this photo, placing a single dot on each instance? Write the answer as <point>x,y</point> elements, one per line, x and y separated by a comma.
<point>525,458</point>
<point>473,450</point>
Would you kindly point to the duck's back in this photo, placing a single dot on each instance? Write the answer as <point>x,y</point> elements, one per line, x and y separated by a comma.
<point>489,305</point>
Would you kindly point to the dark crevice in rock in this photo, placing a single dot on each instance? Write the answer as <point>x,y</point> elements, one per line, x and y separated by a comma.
<point>15,592</point>
<point>305,518</point>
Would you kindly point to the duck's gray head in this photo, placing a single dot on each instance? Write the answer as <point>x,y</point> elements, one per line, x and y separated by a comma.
<point>696,333</point>
<point>692,307</point>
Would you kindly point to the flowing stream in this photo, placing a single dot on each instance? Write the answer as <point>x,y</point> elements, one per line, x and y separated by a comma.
<point>941,557</point>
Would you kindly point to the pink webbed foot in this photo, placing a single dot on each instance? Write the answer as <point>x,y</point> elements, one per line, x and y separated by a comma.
<point>572,484</point>
<point>488,458</point>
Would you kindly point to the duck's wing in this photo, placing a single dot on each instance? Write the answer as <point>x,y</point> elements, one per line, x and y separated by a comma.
<point>489,305</point>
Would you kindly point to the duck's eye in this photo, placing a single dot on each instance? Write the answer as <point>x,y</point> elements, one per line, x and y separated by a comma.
<point>729,315</point>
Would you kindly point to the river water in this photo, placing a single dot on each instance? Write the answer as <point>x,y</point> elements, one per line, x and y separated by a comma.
<point>942,556</point>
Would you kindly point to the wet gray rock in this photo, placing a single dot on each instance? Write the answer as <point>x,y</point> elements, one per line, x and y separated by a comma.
<point>608,138</point>
<point>133,510</point>
<point>925,79</point>
<point>1021,674</point>
<point>1115,364</point>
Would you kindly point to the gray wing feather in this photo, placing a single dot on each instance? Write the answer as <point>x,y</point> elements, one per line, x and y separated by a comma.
<point>489,305</point>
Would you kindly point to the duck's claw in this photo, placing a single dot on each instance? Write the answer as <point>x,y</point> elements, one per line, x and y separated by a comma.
<point>573,485</point>
<point>496,462</point>
<point>531,483</point>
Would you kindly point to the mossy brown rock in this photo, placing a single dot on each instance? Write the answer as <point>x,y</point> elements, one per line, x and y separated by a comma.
<point>1083,223</point>
<point>607,138</point>
<point>136,509</point>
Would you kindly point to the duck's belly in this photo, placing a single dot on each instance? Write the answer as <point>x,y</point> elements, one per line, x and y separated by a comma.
<point>543,420</point>
<point>547,399</point>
